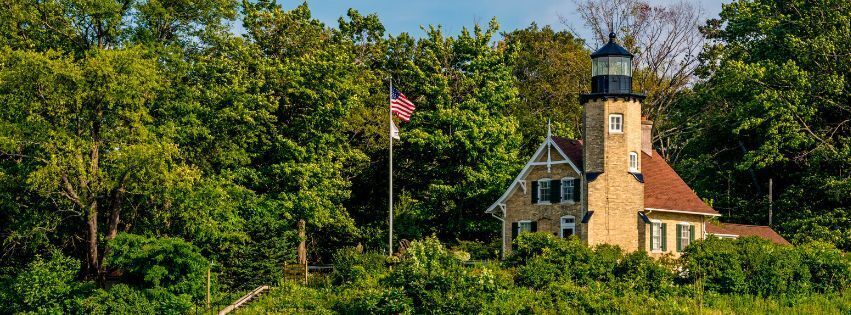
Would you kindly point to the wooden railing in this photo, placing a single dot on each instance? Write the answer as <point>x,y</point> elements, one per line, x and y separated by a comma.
<point>244,299</point>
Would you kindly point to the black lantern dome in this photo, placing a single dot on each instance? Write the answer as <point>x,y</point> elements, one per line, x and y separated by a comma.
<point>611,69</point>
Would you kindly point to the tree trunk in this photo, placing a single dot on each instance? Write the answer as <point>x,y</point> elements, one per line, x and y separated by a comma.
<point>92,257</point>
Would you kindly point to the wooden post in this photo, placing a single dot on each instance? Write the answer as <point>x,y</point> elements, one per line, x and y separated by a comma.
<point>302,245</point>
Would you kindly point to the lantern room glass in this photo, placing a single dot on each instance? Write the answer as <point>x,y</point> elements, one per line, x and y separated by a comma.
<point>612,65</point>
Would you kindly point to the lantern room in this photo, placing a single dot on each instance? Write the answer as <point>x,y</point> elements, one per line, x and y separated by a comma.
<point>611,69</point>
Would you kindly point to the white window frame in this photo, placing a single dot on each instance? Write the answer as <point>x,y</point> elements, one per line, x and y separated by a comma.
<point>564,192</point>
<point>541,182</point>
<point>564,225</point>
<point>684,238</point>
<point>521,224</point>
<point>616,127</point>
<point>656,244</point>
<point>633,162</point>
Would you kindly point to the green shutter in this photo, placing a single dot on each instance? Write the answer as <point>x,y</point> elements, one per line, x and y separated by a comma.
<point>534,192</point>
<point>690,234</point>
<point>664,237</point>
<point>679,235</point>
<point>534,225</point>
<point>577,189</point>
<point>513,233</point>
<point>652,234</point>
<point>555,191</point>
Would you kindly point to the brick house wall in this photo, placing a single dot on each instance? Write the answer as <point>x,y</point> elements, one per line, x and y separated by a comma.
<point>519,206</point>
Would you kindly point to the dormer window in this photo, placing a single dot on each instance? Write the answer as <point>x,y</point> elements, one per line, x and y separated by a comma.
<point>633,162</point>
<point>616,123</point>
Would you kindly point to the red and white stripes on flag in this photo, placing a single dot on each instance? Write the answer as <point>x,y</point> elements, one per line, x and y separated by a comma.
<point>400,105</point>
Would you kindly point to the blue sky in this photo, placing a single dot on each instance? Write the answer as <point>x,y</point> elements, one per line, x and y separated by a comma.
<point>407,16</point>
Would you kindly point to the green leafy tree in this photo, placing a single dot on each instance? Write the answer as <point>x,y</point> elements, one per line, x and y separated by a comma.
<point>83,126</point>
<point>460,148</point>
<point>551,68</point>
<point>774,105</point>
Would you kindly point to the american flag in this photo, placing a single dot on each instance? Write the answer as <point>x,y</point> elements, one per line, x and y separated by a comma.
<point>400,105</point>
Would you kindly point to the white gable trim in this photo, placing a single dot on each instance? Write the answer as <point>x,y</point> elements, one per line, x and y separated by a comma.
<point>681,211</point>
<point>723,235</point>
<point>520,179</point>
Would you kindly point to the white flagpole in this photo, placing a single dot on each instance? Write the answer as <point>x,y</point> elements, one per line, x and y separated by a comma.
<point>390,127</point>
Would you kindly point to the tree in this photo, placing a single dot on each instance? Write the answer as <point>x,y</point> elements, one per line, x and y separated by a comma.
<point>774,104</point>
<point>460,149</point>
<point>83,124</point>
<point>552,69</point>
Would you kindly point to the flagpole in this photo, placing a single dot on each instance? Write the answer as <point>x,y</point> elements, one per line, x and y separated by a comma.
<point>390,127</point>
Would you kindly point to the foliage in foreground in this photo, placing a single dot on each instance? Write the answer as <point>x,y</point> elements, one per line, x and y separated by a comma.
<point>547,275</point>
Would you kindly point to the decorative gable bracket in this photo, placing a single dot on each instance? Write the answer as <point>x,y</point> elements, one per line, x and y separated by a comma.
<point>522,185</point>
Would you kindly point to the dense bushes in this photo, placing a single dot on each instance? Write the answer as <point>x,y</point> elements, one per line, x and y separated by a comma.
<point>756,266</point>
<point>44,286</point>
<point>547,275</point>
<point>546,259</point>
<point>163,266</point>
<point>159,275</point>
<point>351,265</point>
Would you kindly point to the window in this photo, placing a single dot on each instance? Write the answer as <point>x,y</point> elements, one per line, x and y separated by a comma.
<point>656,236</point>
<point>567,189</point>
<point>684,235</point>
<point>544,190</point>
<point>633,162</point>
<point>568,226</point>
<point>523,227</point>
<point>616,66</point>
<point>616,123</point>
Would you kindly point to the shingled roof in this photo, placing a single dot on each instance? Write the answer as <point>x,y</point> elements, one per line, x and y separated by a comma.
<point>573,149</point>
<point>741,230</point>
<point>665,190</point>
<point>663,187</point>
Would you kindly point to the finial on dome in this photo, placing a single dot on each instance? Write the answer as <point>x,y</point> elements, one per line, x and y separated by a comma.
<point>612,37</point>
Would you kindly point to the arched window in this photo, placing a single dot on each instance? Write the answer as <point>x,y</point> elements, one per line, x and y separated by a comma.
<point>568,226</point>
<point>633,162</point>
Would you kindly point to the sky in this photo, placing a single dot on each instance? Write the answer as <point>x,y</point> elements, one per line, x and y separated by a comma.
<point>407,16</point>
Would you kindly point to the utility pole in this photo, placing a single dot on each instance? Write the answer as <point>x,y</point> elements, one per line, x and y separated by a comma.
<point>209,270</point>
<point>770,202</point>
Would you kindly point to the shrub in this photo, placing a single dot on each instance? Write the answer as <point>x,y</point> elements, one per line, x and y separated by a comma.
<point>538,272</point>
<point>119,299</point>
<point>829,268</point>
<point>46,286</point>
<point>168,263</point>
<point>639,272</point>
<point>350,265</point>
<point>291,298</point>
<point>373,301</point>
<point>528,245</point>
<point>716,263</point>
<point>480,250</point>
<point>772,269</point>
